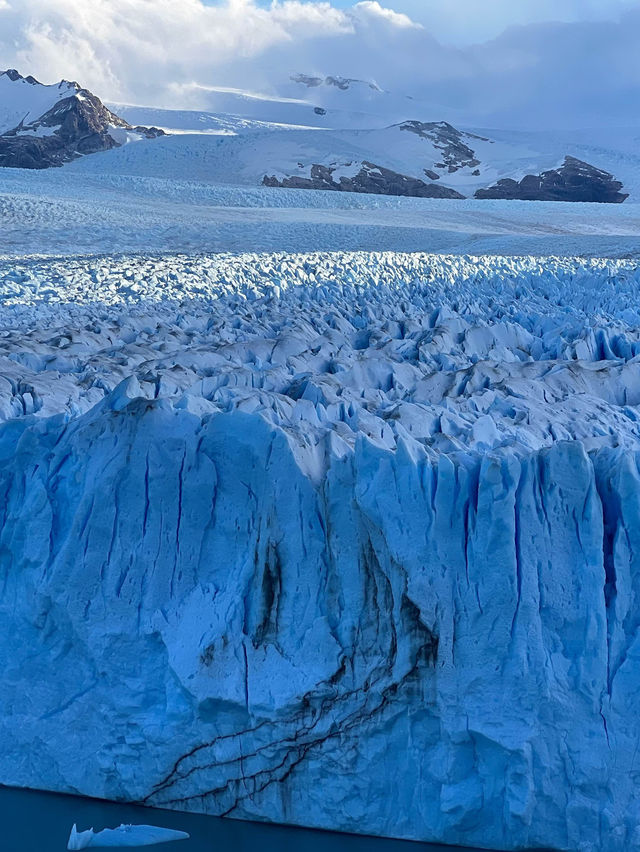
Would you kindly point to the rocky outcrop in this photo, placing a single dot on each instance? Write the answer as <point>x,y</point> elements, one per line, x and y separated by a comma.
<point>342,83</point>
<point>14,76</point>
<point>371,178</point>
<point>456,154</point>
<point>575,180</point>
<point>75,125</point>
<point>307,80</point>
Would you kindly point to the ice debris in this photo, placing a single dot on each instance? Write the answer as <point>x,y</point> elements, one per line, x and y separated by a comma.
<point>123,836</point>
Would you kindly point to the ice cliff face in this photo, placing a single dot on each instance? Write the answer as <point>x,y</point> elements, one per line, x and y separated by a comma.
<point>342,540</point>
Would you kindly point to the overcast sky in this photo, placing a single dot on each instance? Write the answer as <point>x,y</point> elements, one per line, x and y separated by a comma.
<point>482,62</point>
<point>469,21</point>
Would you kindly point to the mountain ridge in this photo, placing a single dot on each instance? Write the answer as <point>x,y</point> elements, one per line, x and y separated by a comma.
<point>61,122</point>
<point>354,143</point>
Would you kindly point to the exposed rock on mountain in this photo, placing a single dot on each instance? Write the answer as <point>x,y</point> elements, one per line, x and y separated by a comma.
<point>342,83</point>
<point>307,80</point>
<point>575,180</point>
<point>456,154</point>
<point>14,76</point>
<point>369,177</point>
<point>400,157</point>
<point>75,122</point>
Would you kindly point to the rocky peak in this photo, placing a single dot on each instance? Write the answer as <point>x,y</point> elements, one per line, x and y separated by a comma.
<point>342,83</point>
<point>15,76</point>
<point>73,122</point>
<point>345,83</point>
<point>12,74</point>
<point>456,153</point>
<point>574,180</point>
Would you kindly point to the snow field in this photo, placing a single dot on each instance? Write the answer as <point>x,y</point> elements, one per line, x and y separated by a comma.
<point>68,212</point>
<point>22,101</point>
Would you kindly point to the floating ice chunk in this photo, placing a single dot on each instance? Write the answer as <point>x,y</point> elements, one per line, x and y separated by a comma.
<point>123,836</point>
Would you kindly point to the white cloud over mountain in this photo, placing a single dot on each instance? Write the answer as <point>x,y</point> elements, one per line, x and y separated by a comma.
<point>154,50</point>
<point>469,21</point>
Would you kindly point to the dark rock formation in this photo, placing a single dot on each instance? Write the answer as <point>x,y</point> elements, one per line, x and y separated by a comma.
<point>371,178</point>
<point>342,83</point>
<point>345,83</point>
<point>307,80</point>
<point>573,181</point>
<point>74,126</point>
<point>14,76</point>
<point>456,154</point>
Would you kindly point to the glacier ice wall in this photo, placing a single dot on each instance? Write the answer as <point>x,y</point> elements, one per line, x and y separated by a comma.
<point>347,541</point>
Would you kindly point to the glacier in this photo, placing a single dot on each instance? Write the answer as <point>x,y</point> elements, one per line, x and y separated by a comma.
<point>163,200</point>
<point>347,540</point>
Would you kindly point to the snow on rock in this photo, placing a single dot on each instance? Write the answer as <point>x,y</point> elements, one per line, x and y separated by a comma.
<point>23,99</point>
<point>573,181</point>
<point>44,126</point>
<point>344,540</point>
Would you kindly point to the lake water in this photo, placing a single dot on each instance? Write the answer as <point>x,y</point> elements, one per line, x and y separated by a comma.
<point>41,822</point>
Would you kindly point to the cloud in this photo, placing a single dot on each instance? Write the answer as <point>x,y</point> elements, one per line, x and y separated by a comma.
<point>130,47</point>
<point>370,11</point>
<point>137,49</point>
<point>162,52</point>
<point>472,21</point>
<point>580,73</point>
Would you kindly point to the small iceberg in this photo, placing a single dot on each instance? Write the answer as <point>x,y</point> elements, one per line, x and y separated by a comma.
<point>123,836</point>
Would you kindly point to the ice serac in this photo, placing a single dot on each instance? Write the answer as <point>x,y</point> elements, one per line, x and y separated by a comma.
<point>352,543</point>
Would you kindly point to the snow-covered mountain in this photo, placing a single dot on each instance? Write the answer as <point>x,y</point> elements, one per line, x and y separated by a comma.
<point>23,99</point>
<point>309,101</point>
<point>48,125</point>
<point>412,151</point>
<point>432,159</point>
<point>338,134</point>
<point>304,100</point>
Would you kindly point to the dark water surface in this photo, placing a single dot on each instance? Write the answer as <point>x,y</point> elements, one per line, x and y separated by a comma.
<point>41,822</point>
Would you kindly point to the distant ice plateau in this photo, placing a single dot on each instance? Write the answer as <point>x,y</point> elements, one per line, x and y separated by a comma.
<point>347,540</point>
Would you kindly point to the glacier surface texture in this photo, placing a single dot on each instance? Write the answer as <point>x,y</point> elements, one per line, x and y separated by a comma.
<point>343,540</point>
